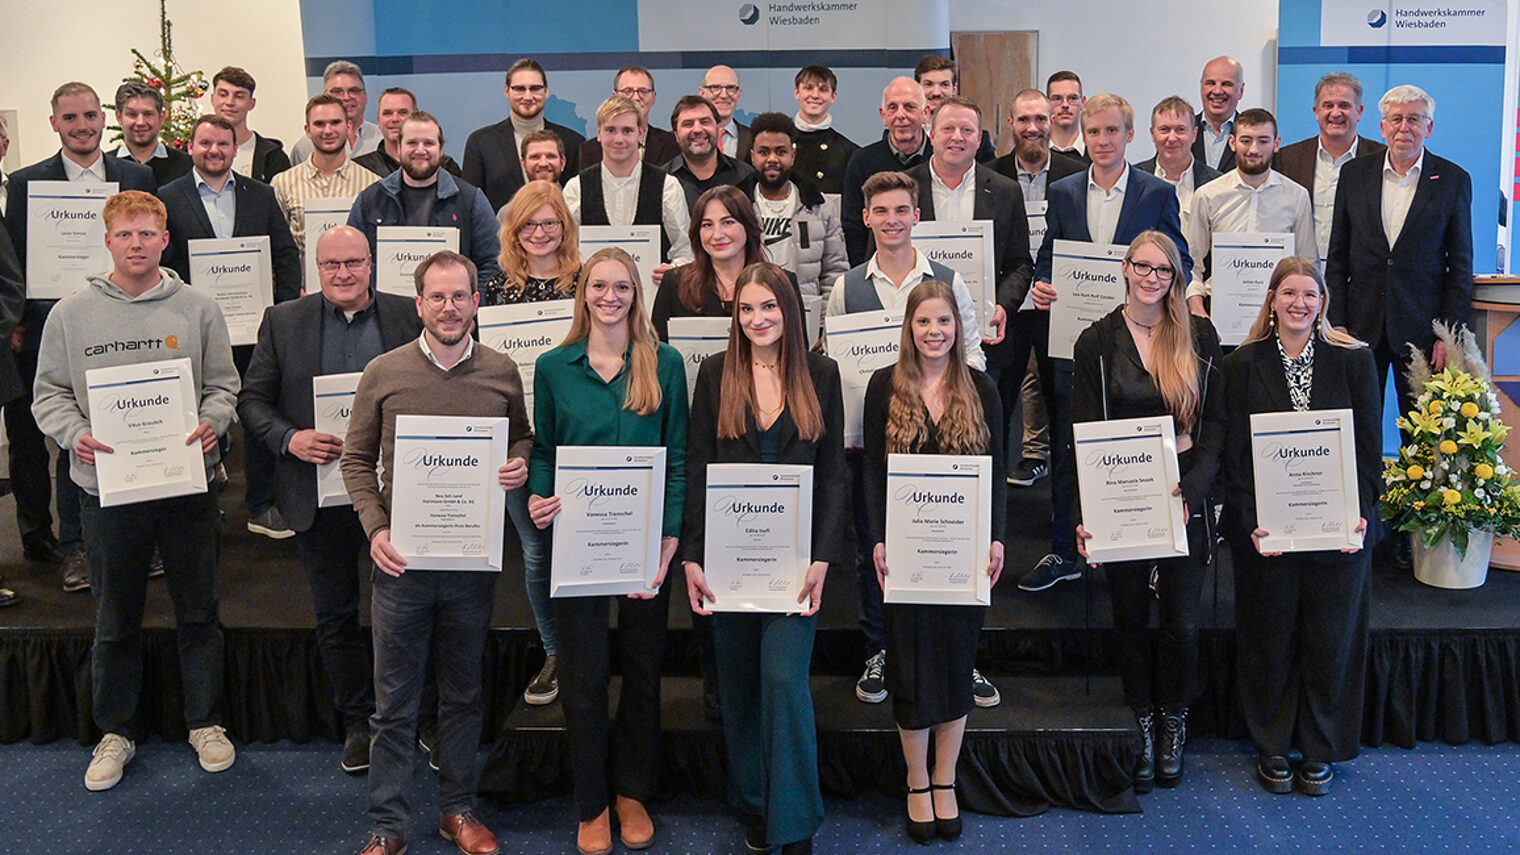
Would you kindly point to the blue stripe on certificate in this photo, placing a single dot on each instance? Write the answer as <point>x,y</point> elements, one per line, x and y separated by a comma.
<point>170,378</point>
<point>1156,435</point>
<point>604,468</point>
<point>936,475</point>
<point>340,395</point>
<point>251,251</point>
<point>1331,429</point>
<point>484,437</point>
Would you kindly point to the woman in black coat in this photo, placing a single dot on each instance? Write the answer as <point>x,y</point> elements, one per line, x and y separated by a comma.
<point>1301,619</point>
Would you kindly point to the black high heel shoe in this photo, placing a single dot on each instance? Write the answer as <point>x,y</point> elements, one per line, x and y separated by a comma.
<point>921,832</point>
<point>947,829</point>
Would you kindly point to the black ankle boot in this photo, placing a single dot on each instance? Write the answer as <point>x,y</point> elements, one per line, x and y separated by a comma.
<point>1145,773</point>
<point>1169,743</point>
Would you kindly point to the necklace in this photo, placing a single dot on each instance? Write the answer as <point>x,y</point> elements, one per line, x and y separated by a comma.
<point>1147,327</point>
<point>770,365</point>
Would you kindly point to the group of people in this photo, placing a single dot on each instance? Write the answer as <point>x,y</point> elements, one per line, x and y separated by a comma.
<point>749,234</point>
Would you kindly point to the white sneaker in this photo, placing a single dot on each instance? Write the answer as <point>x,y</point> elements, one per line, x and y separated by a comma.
<point>212,746</point>
<point>111,756</point>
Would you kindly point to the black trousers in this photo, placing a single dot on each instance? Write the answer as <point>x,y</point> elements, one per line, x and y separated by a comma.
<point>1301,649</point>
<point>31,479</point>
<point>331,551</point>
<point>627,747</point>
<point>1395,358</point>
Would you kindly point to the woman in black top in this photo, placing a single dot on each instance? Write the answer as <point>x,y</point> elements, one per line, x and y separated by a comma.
<point>768,400</point>
<point>1150,357</point>
<point>931,402</point>
<point>1300,619</point>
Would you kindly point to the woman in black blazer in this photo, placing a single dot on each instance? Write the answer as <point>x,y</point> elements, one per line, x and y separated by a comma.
<point>1300,619</point>
<point>768,400</point>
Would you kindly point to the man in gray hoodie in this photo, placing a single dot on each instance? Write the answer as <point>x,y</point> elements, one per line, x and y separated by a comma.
<point>140,313</point>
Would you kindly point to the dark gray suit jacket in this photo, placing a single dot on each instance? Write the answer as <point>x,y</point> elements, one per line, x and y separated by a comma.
<point>257,214</point>
<point>276,395</point>
<point>1202,172</point>
<point>1226,160</point>
<point>1000,200</point>
<point>492,163</point>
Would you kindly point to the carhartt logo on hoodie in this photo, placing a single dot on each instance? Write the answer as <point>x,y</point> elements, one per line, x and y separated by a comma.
<point>132,344</point>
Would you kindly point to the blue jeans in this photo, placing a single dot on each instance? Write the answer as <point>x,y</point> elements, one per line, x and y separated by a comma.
<point>120,546</point>
<point>535,555</point>
<point>449,613</point>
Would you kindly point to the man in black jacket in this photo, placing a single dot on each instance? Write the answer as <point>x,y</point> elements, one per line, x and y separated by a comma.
<point>140,113</point>
<point>822,152</point>
<point>491,159</point>
<point>903,145</point>
<point>258,157</point>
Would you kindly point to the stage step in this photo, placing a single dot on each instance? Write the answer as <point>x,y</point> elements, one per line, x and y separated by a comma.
<point>1050,742</point>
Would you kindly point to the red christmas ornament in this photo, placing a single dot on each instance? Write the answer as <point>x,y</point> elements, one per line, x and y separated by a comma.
<point>156,83</point>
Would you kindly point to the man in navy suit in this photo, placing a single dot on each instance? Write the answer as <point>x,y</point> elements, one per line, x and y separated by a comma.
<point>1110,202</point>
<point>79,121</point>
<point>492,159</point>
<point>215,202</point>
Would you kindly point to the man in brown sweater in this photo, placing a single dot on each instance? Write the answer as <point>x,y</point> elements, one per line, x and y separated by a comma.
<point>443,373</point>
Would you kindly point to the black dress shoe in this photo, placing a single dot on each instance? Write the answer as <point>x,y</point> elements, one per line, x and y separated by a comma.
<point>76,571</point>
<point>41,550</point>
<point>920,832</point>
<point>1400,554</point>
<point>1274,773</point>
<point>798,847</point>
<point>356,750</point>
<point>947,829</point>
<point>712,710</point>
<point>1314,777</point>
<point>754,838</point>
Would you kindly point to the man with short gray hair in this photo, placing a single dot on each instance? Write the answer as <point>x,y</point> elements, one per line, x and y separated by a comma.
<point>345,81</point>
<point>1220,88</point>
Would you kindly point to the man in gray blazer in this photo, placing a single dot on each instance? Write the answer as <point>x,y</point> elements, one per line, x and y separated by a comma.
<point>336,331</point>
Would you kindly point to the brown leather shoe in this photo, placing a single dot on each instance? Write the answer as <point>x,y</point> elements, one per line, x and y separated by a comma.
<point>465,830</point>
<point>595,837</point>
<point>379,845</point>
<point>634,824</point>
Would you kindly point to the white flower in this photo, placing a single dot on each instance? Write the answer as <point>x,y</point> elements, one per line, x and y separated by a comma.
<point>1448,423</point>
<point>1425,485</point>
<point>1501,469</point>
<point>1481,494</point>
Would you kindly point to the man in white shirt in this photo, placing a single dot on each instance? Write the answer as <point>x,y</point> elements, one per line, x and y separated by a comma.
<point>1064,89</point>
<point>1251,198</point>
<point>720,85</point>
<point>259,158</point>
<point>1174,130</point>
<point>1220,88</point>
<point>345,81</point>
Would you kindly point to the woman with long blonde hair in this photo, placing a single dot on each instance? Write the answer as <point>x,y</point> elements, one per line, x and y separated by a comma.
<point>1150,357</point>
<point>611,383</point>
<point>931,402</point>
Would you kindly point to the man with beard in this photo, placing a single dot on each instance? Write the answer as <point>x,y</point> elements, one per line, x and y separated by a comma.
<point>213,201</point>
<point>419,616</point>
<point>1253,197</point>
<point>1064,89</point>
<point>79,122</point>
<point>420,194</point>
<point>624,191</point>
<point>491,154</point>
<point>343,80</point>
<point>720,85</point>
<point>903,145</point>
<point>543,156</point>
<point>396,104</point>
<point>1220,88</point>
<point>1174,129</point>
<point>701,165</point>
<point>940,79</point>
<point>802,232</point>
<point>140,112</point>
<point>657,146</point>
<point>327,174</point>
<point>822,152</point>
<point>258,157</point>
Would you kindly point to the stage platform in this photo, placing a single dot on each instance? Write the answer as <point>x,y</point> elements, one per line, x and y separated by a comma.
<point>1444,665</point>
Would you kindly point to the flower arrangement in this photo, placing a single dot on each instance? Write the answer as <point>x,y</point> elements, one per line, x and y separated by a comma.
<point>1449,480</point>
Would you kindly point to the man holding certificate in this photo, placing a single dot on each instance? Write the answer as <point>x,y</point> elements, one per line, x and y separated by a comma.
<point>334,332</point>
<point>1301,618</point>
<point>142,315</point>
<point>448,612</point>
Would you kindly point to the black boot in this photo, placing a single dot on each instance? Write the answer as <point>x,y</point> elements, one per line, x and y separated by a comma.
<point>1169,743</point>
<point>1145,774</point>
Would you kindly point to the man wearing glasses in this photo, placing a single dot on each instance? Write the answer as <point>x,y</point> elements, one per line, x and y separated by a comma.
<point>336,331</point>
<point>491,159</point>
<point>343,80</point>
<point>720,85</point>
<point>657,146</point>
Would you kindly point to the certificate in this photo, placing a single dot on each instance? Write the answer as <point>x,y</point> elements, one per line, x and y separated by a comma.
<point>1089,283</point>
<point>144,412</point>
<point>812,315</point>
<point>399,249</point>
<point>612,510</point>
<point>65,236</point>
<point>1126,472</point>
<point>696,339</point>
<point>641,242</point>
<point>966,248</point>
<point>332,402</point>
<point>1306,490</point>
<point>1035,211</point>
<point>448,509</point>
<point>319,215</point>
<point>860,342</point>
<point>236,272</point>
<point>759,537</point>
<point>939,529</point>
<point>1242,266</point>
<point>525,331</point>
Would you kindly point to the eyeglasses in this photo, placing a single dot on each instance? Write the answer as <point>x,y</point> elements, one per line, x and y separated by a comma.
<point>1399,121</point>
<point>725,88</point>
<point>631,92</point>
<point>460,299</point>
<point>549,227</point>
<point>535,89</point>
<point>339,92</point>
<point>332,265</point>
<point>1164,273</point>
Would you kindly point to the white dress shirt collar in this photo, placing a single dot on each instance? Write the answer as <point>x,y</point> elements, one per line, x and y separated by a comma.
<point>74,172</point>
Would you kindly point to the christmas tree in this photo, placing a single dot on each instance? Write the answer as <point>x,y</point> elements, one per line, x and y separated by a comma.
<point>181,89</point>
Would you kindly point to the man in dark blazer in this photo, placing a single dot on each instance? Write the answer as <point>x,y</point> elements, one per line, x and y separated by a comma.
<point>1174,132</point>
<point>491,159</point>
<point>659,146</point>
<point>299,340</point>
<point>254,212</point>
<point>1220,88</point>
<point>720,85</point>
<point>79,121</point>
<point>1401,242</point>
<point>1145,203</point>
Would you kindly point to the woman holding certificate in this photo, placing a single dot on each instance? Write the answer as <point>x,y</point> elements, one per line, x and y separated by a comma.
<point>931,402</point>
<point>611,383</point>
<point>1301,618</point>
<point>767,400</point>
<point>1150,357</point>
<point>540,260</point>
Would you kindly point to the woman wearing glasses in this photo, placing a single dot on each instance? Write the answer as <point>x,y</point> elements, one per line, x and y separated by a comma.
<point>1149,357</point>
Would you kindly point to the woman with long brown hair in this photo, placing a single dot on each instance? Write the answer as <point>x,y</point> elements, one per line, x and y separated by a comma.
<point>1300,619</point>
<point>611,383</point>
<point>768,400</point>
<point>931,402</point>
<point>1149,357</point>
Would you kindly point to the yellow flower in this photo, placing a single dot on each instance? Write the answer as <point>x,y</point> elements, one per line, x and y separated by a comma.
<point>1484,471</point>
<point>1474,436</point>
<point>1418,505</point>
<point>1435,406</point>
<point>1469,410</point>
<point>1415,472</point>
<point>1448,447</point>
<point>1451,497</point>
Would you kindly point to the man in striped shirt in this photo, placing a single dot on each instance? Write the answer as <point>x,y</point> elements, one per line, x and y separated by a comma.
<point>328,173</point>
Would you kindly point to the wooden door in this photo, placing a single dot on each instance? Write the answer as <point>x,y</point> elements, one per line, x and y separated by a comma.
<point>993,67</point>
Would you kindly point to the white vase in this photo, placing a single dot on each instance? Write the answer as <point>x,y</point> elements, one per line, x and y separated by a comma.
<point>1439,566</point>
